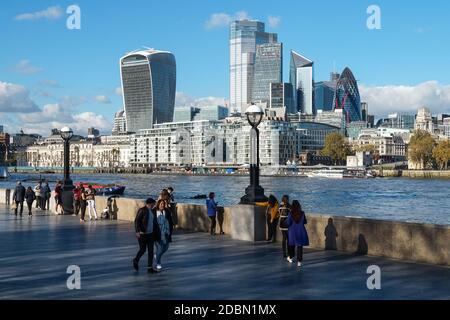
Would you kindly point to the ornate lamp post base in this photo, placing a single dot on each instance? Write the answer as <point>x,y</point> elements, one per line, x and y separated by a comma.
<point>67,197</point>
<point>253,194</point>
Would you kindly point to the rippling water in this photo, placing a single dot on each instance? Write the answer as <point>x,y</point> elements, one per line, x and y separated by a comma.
<point>391,199</point>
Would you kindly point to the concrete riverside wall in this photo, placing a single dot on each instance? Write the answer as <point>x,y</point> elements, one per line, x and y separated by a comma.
<point>415,242</point>
<point>420,174</point>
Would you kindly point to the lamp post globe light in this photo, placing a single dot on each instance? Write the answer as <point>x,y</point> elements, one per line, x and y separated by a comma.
<point>67,190</point>
<point>254,192</point>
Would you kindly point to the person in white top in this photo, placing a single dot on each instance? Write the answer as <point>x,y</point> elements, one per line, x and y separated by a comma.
<point>90,202</point>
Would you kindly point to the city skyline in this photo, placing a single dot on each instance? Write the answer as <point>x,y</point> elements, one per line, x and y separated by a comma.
<point>46,87</point>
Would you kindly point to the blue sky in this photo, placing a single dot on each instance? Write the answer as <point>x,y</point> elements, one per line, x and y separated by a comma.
<point>63,73</point>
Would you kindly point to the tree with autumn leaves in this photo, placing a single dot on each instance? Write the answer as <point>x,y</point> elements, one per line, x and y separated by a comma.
<point>423,149</point>
<point>336,147</point>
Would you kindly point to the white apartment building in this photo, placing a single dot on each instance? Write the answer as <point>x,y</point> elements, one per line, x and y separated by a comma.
<point>389,146</point>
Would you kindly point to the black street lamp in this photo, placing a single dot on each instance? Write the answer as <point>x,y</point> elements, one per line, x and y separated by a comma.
<point>67,190</point>
<point>254,192</point>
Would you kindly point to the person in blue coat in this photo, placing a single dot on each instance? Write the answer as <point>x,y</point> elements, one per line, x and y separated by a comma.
<point>297,234</point>
<point>211,206</point>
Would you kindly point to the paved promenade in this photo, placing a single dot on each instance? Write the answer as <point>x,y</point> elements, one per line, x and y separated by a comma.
<point>36,252</point>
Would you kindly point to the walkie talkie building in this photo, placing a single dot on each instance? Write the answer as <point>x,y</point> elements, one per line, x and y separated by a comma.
<point>148,84</point>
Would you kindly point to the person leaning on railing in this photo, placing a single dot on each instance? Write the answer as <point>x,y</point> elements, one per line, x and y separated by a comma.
<point>272,217</point>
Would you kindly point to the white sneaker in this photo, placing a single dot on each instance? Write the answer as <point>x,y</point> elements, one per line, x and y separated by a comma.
<point>299,264</point>
<point>158,267</point>
<point>289,259</point>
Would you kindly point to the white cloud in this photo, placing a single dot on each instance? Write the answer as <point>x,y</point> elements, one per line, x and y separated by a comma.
<point>220,20</point>
<point>25,67</point>
<point>102,99</point>
<point>392,98</point>
<point>183,99</point>
<point>15,98</point>
<point>274,21</point>
<point>118,91</point>
<point>56,116</point>
<point>51,13</point>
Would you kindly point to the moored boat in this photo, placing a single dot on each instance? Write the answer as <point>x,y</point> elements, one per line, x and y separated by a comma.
<point>326,173</point>
<point>104,189</point>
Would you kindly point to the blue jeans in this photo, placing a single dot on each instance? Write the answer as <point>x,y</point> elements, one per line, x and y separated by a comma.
<point>161,248</point>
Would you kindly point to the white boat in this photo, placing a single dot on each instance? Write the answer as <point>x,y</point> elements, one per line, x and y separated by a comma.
<point>326,173</point>
<point>4,173</point>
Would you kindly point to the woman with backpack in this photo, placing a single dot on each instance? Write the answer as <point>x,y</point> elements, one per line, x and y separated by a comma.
<point>297,234</point>
<point>211,207</point>
<point>285,209</point>
<point>29,198</point>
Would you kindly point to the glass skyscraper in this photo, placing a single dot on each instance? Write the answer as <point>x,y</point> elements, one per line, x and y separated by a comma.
<point>347,97</point>
<point>281,96</point>
<point>148,84</point>
<point>268,69</point>
<point>245,35</point>
<point>324,95</point>
<point>302,79</point>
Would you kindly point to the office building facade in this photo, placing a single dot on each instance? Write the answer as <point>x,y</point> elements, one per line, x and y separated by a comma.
<point>268,69</point>
<point>281,95</point>
<point>148,85</point>
<point>302,79</point>
<point>347,96</point>
<point>245,35</point>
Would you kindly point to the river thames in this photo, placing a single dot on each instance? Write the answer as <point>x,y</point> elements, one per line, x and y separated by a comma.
<point>402,199</point>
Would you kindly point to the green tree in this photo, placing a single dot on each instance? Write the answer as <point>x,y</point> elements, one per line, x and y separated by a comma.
<point>441,153</point>
<point>421,148</point>
<point>336,147</point>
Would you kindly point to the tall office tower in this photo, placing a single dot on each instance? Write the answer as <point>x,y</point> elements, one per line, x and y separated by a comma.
<point>347,96</point>
<point>268,69</point>
<point>281,95</point>
<point>364,111</point>
<point>148,85</point>
<point>302,79</point>
<point>245,35</point>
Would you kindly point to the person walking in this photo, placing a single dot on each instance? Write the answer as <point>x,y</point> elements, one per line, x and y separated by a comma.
<point>165,196</point>
<point>29,198</point>
<point>147,232</point>
<point>19,197</point>
<point>272,215</point>
<point>298,236</point>
<point>76,199</point>
<point>83,204</point>
<point>38,194</point>
<point>47,193</point>
<point>284,209</point>
<point>211,206</point>
<point>58,197</point>
<point>164,218</point>
<point>90,201</point>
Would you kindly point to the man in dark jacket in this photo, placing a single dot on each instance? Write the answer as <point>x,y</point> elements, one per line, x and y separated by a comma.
<point>19,197</point>
<point>147,232</point>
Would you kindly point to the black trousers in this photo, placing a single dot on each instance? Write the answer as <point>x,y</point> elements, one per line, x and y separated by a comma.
<point>82,209</point>
<point>146,242</point>
<point>291,250</point>
<point>29,205</point>
<point>19,203</point>
<point>213,224</point>
<point>272,229</point>
<point>77,207</point>
<point>284,243</point>
<point>43,202</point>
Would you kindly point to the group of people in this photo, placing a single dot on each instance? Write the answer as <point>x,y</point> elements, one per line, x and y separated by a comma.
<point>84,198</point>
<point>154,224</point>
<point>291,220</point>
<point>41,193</point>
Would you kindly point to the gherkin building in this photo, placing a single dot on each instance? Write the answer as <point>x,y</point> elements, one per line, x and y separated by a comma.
<point>347,96</point>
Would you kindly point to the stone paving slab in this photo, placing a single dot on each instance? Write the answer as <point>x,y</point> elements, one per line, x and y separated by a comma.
<point>35,253</point>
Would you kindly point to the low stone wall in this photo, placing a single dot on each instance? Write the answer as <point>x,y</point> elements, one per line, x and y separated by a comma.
<point>419,174</point>
<point>415,242</point>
